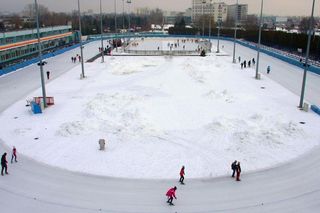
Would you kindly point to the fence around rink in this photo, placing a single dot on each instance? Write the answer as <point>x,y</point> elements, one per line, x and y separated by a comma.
<point>269,51</point>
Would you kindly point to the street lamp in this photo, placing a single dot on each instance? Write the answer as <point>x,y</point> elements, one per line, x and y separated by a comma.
<point>40,57</point>
<point>123,14</point>
<point>210,13</point>
<point>259,42</point>
<point>203,2</point>
<point>219,25</point>
<point>101,26</point>
<point>80,35</point>
<point>307,57</point>
<point>129,27</point>
<point>115,23</point>
<point>235,32</point>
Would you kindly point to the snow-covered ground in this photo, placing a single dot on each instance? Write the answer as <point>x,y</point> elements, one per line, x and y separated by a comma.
<point>159,113</point>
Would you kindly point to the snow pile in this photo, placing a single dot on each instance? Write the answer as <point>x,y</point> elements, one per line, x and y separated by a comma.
<point>159,113</point>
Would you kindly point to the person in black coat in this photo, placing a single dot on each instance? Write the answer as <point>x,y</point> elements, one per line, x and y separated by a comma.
<point>4,164</point>
<point>233,167</point>
<point>238,170</point>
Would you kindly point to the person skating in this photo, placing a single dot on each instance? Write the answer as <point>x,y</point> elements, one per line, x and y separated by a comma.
<point>238,170</point>
<point>171,194</point>
<point>233,167</point>
<point>241,65</point>
<point>4,162</point>
<point>182,175</point>
<point>268,69</point>
<point>14,155</point>
<point>48,75</point>
<point>249,63</point>
<point>245,64</point>
<point>253,61</point>
<point>239,58</point>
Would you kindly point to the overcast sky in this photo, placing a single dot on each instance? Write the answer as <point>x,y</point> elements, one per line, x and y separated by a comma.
<point>271,7</point>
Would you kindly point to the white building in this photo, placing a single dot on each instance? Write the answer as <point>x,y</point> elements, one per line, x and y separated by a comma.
<point>238,12</point>
<point>217,10</point>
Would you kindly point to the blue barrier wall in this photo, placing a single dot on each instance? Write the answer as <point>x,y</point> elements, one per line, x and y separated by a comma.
<point>36,60</point>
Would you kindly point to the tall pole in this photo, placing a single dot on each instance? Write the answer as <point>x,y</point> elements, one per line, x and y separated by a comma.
<point>40,57</point>
<point>218,46</point>
<point>123,14</point>
<point>203,2</point>
<point>129,27</point>
<point>307,57</point>
<point>115,23</point>
<point>259,42</point>
<point>80,35</point>
<point>210,19</point>
<point>101,26</point>
<point>235,32</point>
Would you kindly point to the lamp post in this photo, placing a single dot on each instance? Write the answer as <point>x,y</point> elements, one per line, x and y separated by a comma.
<point>210,17</point>
<point>218,45</point>
<point>115,23</point>
<point>307,57</point>
<point>123,14</point>
<point>203,2</point>
<point>259,42</point>
<point>40,57</point>
<point>101,26</point>
<point>129,18</point>
<point>235,32</point>
<point>80,35</point>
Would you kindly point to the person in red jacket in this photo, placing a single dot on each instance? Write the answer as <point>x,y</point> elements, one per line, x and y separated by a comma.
<point>171,194</point>
<point>14,155</point>
<point>182,175</point>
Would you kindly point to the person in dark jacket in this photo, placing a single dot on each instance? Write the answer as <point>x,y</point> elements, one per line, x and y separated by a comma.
<point>182,175</point>
<point>233,167</point>
<point>238,170</point>
<point>4,164</point>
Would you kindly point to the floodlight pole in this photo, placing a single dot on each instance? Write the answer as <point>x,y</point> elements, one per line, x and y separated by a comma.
<point>129,18</point>
<point>259,42</point>
<point>40,58</point>
<point>203,2</point>
<point>115,23</point>
<point>218,46</point>
<point>80,35</point>
<point>311,28</point>
<point>210,19</point>
<point>235,33</point>
<point>101,26</point>
<point>123,14</point>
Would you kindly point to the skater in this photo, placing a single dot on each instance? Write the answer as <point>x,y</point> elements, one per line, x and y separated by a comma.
<point>171,194</point>
<point>182,175</point>
<point>233,167</point>
<point>4,164</point>
<point>14,155</point>
<point>249,63</point>
<point>241,65</point>
<point>245,64</point>
<point>79,58</point>
<point>268,69</point>
<point>239,58</point>
<point>238,170</point>
<point>72,59</point>
<point>48,75</point>
<point>253,61</point>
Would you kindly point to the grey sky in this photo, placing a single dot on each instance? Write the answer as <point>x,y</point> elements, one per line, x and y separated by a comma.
<point>272,7</point>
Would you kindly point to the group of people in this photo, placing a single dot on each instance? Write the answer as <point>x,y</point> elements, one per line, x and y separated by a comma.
<point>74,59</point>
<point>246,63</point>
<point>171,193</point>
<point>4,162</point>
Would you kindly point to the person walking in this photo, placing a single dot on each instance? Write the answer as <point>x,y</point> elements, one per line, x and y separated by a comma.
<point>14,155</point>
<point>233,167</point>
<point>171,194</point>
<point>238,170</point>
<point>182,175</point>
<point>249,63</point>
<point>268,69</point>
<point>245,64</point>
<point>4,162</point>
<point>48,75</point>
<point>253,61</point>
<point>239,58</point>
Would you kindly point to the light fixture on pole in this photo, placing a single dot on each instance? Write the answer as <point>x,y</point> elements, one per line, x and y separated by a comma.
<point>81,46</point>
<point>235,31</point>
<point>203,2</point>
<point>115,24</point>
<point>123,14</point>
<point>311,29</point>
<point>259,42</point>
<point>101,26</point>
<point>41,63</point>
